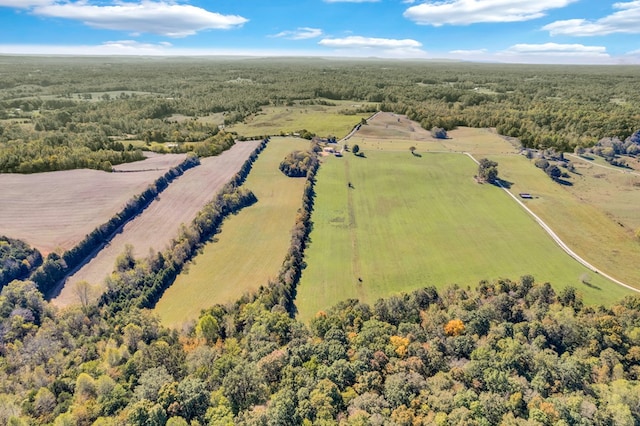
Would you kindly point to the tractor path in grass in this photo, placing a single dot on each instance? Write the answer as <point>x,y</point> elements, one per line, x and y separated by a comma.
<point>603,166</point>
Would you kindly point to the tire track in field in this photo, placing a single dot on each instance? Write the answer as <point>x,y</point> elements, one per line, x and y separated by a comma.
<point>577,157</point>
<point>355,250</point>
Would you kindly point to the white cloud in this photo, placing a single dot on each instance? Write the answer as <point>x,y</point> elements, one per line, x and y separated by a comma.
<point>358,42</point>
<point>554,53</point>
<point>302,33</point>
<point>626,20</point>
<point>471,52</point>
<point>157,17</point>
<point>558,49</point>
<point>24,4</point>
<point>520,53</point>
<point>134,48</point>
<point>465,12</point>
<point>378,47</point>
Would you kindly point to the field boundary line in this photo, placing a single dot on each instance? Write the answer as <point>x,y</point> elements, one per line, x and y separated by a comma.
<point>557,239</point>
<point>356,128</point>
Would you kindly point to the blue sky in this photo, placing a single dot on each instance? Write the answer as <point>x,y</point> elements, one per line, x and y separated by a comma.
<point>523,31</point>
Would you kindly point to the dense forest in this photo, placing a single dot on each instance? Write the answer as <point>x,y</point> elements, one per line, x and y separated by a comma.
<point>60,114</point>
<point>17,259</point>
<point>509,352</point>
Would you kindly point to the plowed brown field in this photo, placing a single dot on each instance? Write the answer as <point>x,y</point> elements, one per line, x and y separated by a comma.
<point>56,210</point>
<point>156,226</point>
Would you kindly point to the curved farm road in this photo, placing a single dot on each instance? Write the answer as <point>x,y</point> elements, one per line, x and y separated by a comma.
<point>577,157</point>
<point>557,239</point>
<point>159,223</point>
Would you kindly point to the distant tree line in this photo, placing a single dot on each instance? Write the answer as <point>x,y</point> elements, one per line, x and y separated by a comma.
<point>560,107</point>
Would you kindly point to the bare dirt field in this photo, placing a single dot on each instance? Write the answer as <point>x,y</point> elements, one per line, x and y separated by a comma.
<point>55,210</point>
<point>160,222</point>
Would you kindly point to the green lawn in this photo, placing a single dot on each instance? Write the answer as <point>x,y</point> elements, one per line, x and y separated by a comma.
<point>251,247</point>
<point>410,222</point>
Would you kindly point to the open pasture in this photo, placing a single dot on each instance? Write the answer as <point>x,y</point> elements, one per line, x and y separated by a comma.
<point>586,214</point>
<point>251,247</point>
<point>55,210</point>
<point>394,132</point>
<point>159,223</point>
<point>323,120</point>
<point>614,190</point>
<point>410,222</point>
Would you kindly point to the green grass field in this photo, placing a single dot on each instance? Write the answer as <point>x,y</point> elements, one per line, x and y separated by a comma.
<point>612,189</point>
<point>251,247</point>
<point>412,221</point>
<point>319,119</point>
<point>584,215</point>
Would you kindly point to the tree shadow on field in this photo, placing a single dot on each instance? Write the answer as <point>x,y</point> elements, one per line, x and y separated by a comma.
<point>593,286</point>
<point>503,183</point>
<point>564,182</point>
<point>416,154</point>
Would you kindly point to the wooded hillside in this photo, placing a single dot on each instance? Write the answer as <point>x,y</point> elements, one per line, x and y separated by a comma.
<point>509,352</point>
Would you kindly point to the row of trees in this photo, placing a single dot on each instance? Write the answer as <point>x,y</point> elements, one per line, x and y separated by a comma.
<point>141,283</point>
<point>55,267</point>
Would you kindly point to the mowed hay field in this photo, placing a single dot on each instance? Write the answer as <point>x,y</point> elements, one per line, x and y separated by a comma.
<point>612,189</point>
<point>251,247</point>
<point>410,222</point>
<point>55,210</point>
<point>393,132</point>
<point>322,120</point>
<point>584,215</point>
<point>159,223</point>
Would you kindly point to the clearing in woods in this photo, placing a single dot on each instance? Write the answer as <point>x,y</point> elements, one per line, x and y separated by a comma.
<point>324,120</point>
<point>54,211</point>
<point>159,223</point>
<point>251,246</point>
